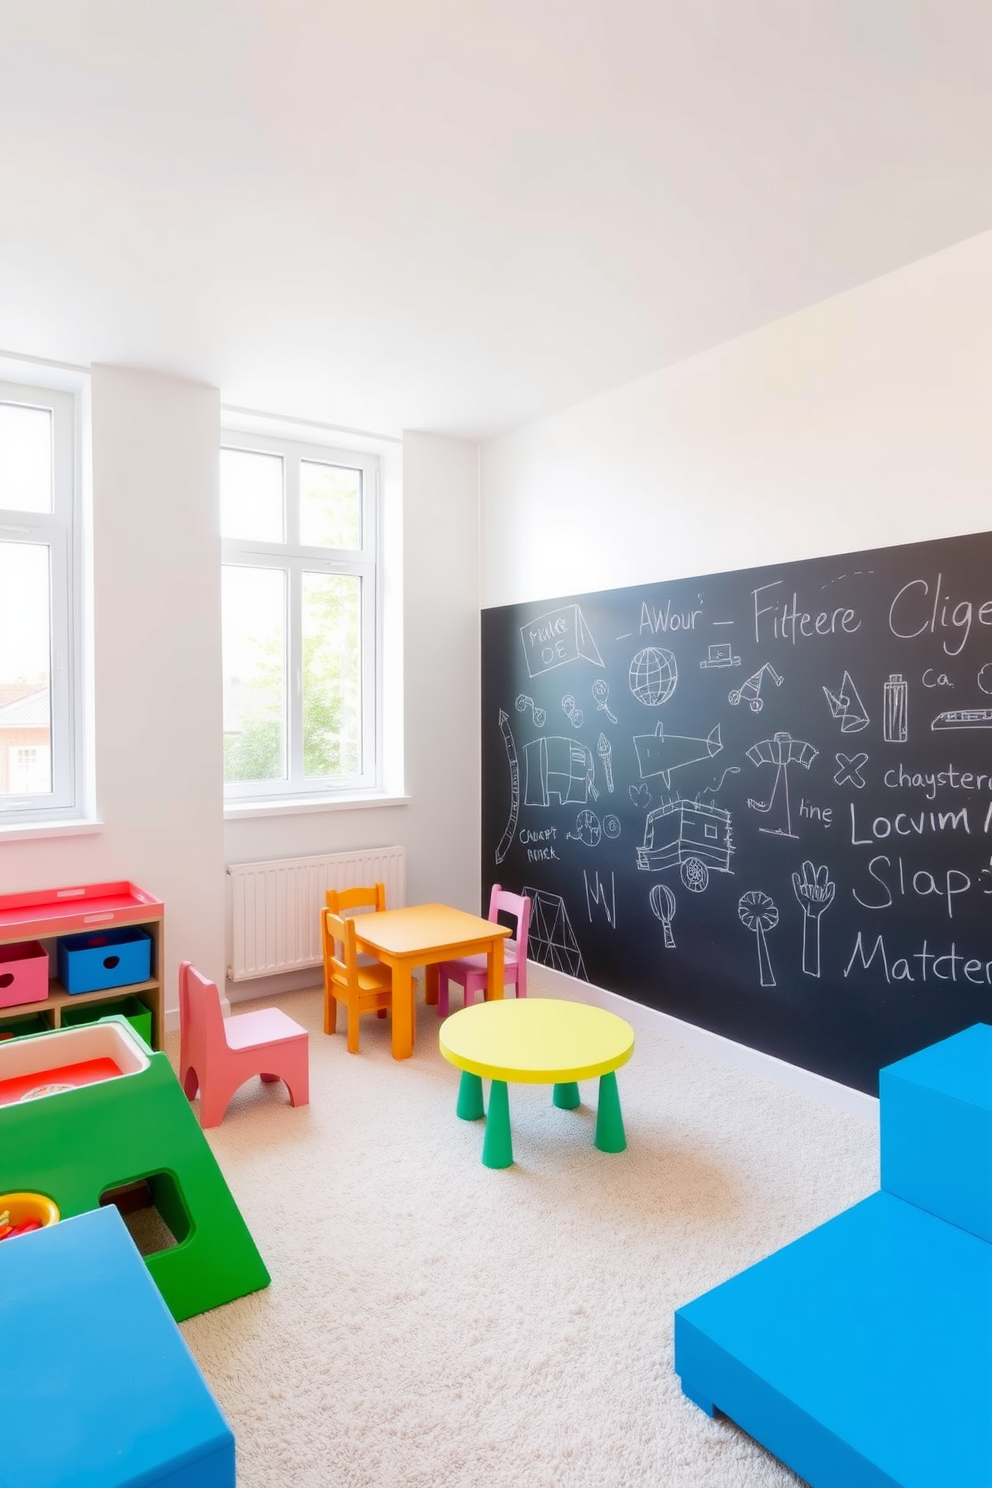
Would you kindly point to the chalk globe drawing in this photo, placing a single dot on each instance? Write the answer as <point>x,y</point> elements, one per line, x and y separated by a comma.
<point>653,676</point>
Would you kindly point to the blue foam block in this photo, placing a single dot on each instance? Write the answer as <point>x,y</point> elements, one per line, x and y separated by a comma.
<point>936,1129</point>
<point>861,1355</point>
<point>98,1388</point>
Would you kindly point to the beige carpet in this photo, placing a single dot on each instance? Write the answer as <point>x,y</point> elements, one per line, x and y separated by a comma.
<point>435,1324</point>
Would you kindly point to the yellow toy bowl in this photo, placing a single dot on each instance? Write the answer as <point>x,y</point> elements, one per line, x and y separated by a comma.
<point>20,1213</point>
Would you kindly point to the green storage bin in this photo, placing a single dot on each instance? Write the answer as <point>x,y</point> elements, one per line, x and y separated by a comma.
<point>19,1027</point>
<point>131,1008</point>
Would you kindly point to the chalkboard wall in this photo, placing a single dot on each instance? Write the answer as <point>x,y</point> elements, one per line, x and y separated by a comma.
<point>760,801</point>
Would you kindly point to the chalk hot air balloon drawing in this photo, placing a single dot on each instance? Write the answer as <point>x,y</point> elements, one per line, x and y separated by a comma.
<point>661,754</point>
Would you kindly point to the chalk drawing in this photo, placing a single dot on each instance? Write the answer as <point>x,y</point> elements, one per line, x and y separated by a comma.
<point>963,718</point>
<point>587,829</point>
<point>598,894</point>
<point>556,638</point>
<point>750,691</point>
<point>712,789</point>
<point>849,768</point>
<point>720,654</point>
<point>611,826</point>
<point>985,677</point>
<point>781,751</point>
<point>895,710</point>
<point>601,695</point>
<point>815,892</point>
<point>571,712</point>
<point>560,767</point>
<point>640,795</point>
<point>514,764</point>
<point>524,702</point>
<point>551,940</point>
<point>605,751</point>
<point>846,705</point>
<point>653,676</point>
<point>759,915</point>
<point>690,835</point>
<point>662,754</point>
<point>663,907</point>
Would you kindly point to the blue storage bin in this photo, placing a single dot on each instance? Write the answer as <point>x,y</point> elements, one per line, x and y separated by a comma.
<point>105,958</point>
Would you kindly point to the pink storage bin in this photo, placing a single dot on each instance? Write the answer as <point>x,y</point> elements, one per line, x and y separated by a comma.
<point>23,973</point>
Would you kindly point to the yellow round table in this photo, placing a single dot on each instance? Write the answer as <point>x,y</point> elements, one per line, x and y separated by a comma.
<point>536,1041</point>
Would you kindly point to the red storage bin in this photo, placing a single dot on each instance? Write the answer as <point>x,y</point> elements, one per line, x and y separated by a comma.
<point>23,973</point>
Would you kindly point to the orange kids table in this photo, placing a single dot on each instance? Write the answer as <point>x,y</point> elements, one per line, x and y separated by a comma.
<point>425,935</point>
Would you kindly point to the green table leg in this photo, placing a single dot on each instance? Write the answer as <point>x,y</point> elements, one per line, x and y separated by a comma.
<point>497,1149</point>
<point>470,1105</point>
<point>610,1136</point>
<point>566,1097</point>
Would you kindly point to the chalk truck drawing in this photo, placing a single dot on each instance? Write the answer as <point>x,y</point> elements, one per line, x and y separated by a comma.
<point>551,940</point>
<point>556,638</point>
<point>560,767</point>
<point>661,754</point>
<point>691,836</point>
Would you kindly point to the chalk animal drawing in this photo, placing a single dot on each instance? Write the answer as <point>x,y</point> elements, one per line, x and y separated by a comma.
<point>598,894</point>
<point>538,714</point>
<point>605,751</point>
<point>750,691</point>
<point>571,712</point>
<point>560,767</point>
<point>815,891</point>
<point>601,696</point>
<point>759,915</point>
<point>587,829</point>
<point>653,676</point>
<point>640,795</point>
<point>963,718</point>
<point>556,638</point>
<point>514,764</point>
<point>849,768</point>
<point>720,654</point>
<point>662,754</point>
<point>611,826</point>
<point>846,705</point>
<point>688,835</point>
<point>781,751</point>
<point>551,940</point>
<point>663,907</point>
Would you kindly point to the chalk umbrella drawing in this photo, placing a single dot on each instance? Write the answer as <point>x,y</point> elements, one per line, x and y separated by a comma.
<point>781,751</point>
<point>511,757</point>
<point>815,892</point>
<point>759,915</point>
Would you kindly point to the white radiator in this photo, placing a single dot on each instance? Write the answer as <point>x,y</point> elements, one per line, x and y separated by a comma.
<point>276,906</point>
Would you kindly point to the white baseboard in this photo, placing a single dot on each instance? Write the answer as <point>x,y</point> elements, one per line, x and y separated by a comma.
<point>739,1056</point>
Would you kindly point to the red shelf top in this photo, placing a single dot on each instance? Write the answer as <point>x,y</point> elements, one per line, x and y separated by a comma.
<point>60,911</point>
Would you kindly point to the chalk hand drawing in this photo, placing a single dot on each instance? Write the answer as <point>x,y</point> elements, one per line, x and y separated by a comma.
<point>560,767</point>
<point>587,829</point>
<point>514,764</point>
<point>571,712</point>
<point>730,770</point>
<point>781,751</point>
<point>847,706</point>
<point>653,676</point>
<point>661,754</point>
<point>598,894</point>
<point>551,940</point>
<point>815,892</point>
<point>691,836</point>
<point>963,718</point>
<point>640,795</point>
<point>556,638</point>
<point>611,826</point>
<point>849,768</point>
<point>759,915</point>
<point>524,702</point>
<point>663,907</point>
<point>601,695</point>
<point>750,691</point>
<point>895,710</point>
<point>605,751</point>
<point>720,654</point>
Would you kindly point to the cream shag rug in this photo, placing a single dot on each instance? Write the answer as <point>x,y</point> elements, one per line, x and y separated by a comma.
<point>432,1323</point>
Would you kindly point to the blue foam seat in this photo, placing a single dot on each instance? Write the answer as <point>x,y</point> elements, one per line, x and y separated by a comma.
<point>98,1388</point>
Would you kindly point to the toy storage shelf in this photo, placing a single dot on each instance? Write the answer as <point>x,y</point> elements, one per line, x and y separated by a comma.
<point>70,911</point>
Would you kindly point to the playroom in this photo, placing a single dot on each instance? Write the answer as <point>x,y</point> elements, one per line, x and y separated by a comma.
<point>494,720</point>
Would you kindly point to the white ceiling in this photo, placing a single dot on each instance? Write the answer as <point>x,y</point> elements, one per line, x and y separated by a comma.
<point>460,215</point>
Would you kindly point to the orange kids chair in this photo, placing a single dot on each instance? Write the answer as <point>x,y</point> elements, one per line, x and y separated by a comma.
<point>217,1054</point>
<point>362,989</point>
<point>371,897</point>
<point>470,971</point>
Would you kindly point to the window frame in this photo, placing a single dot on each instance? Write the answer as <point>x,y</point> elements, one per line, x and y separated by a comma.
<point>296,559</point>
<point>60,531</point>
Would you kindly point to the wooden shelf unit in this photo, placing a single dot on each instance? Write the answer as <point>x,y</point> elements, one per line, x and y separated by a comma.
<point>51,913</point>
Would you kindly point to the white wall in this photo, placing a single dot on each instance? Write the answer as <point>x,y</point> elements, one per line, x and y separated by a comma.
<point>861,422</point>
<point>156,631</point>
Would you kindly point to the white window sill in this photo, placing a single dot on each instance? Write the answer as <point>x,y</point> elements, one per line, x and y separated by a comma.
<point>31,831</point>
<point>239,810</point>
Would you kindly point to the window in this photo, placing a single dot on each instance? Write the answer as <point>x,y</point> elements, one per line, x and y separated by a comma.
<point>300,607</point>
<point>39,753</point>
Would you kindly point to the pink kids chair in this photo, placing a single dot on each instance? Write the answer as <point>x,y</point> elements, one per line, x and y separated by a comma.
<point>217,1054</point>
<point>470,971</point>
